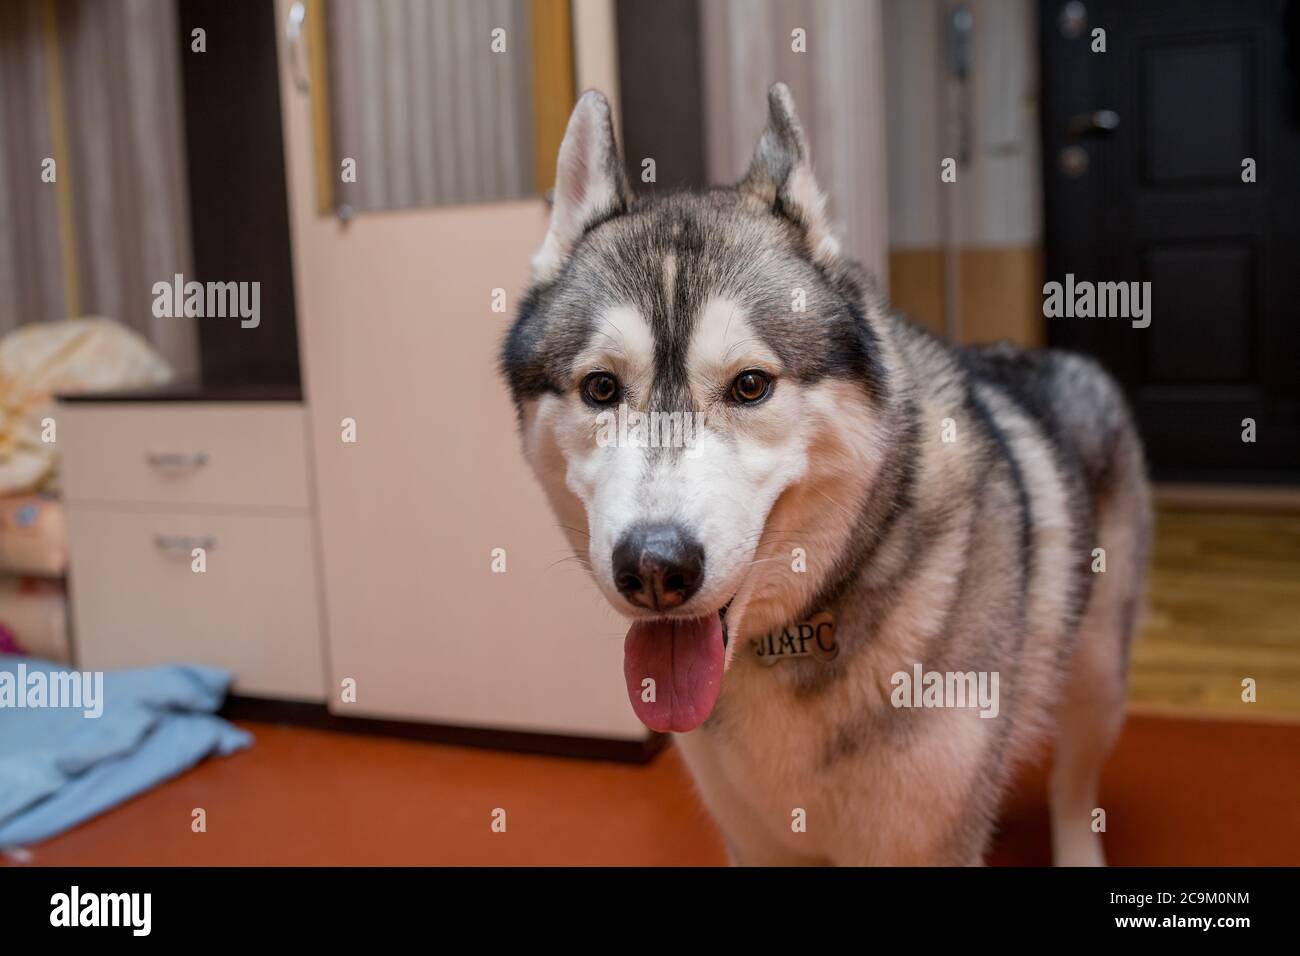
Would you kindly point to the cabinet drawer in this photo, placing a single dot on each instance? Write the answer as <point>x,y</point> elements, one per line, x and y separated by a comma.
<point>235,454</point>
<point>137,602</point>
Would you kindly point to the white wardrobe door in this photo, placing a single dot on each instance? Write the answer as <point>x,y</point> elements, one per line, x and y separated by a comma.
<point>397,335</point>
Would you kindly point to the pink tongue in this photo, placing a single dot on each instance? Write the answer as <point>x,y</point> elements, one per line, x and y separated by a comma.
<point>684,659</point>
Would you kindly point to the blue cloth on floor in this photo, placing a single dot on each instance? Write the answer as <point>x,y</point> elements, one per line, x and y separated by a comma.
<point>60,767</point>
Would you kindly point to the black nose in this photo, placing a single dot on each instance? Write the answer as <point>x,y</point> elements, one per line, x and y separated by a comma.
<point>658,566</point>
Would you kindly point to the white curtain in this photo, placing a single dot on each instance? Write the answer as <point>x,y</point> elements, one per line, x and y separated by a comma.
<point>838,86</point>
<point>102,80</point>
<point>430,114</point>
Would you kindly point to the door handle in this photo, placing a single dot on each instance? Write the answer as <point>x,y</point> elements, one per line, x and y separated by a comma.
<point>295,42</point>
<point>1090,124</point>
<point>182,544</point>
<point>177,459</point>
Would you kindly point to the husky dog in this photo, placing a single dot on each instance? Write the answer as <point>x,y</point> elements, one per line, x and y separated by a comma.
<point>866,519</point>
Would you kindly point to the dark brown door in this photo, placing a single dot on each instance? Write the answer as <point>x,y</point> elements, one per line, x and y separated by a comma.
<point>1143,148</point>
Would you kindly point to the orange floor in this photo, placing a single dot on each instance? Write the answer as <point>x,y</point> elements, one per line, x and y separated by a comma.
<point>1176,792</point>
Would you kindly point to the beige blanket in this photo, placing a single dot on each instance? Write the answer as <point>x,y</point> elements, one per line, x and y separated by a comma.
<point>41,360</point>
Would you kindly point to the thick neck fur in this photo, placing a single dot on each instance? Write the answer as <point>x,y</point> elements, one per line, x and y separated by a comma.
<point>876,513</point>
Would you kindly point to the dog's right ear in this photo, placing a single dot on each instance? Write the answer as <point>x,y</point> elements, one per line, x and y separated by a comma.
<point>590,185</point>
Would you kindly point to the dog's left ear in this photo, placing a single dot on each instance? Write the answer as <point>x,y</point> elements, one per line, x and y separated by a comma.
<point>590,185</point>
<point>781,177</point>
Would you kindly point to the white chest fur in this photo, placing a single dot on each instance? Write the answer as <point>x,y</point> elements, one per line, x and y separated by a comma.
<point>836,775</point>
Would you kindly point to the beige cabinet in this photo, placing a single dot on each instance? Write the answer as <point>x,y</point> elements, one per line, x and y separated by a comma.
<point>147,484</point>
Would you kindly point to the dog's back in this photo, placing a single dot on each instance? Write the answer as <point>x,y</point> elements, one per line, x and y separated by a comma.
<point>1080,407</point>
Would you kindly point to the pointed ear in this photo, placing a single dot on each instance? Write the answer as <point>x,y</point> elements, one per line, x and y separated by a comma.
<point>590,184</point>
<point>781,177</point>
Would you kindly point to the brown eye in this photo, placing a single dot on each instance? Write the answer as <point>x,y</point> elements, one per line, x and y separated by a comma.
<point>600,388</point>
<point>751,386</point>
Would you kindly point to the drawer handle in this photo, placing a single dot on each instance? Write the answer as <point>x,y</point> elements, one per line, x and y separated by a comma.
<point>177,459</point>
<point>182,544</point>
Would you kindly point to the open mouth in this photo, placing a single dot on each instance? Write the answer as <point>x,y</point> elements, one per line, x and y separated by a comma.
<point>673,668</point>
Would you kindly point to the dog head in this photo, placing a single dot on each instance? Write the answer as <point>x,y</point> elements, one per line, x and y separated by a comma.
<point>699,384</point>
